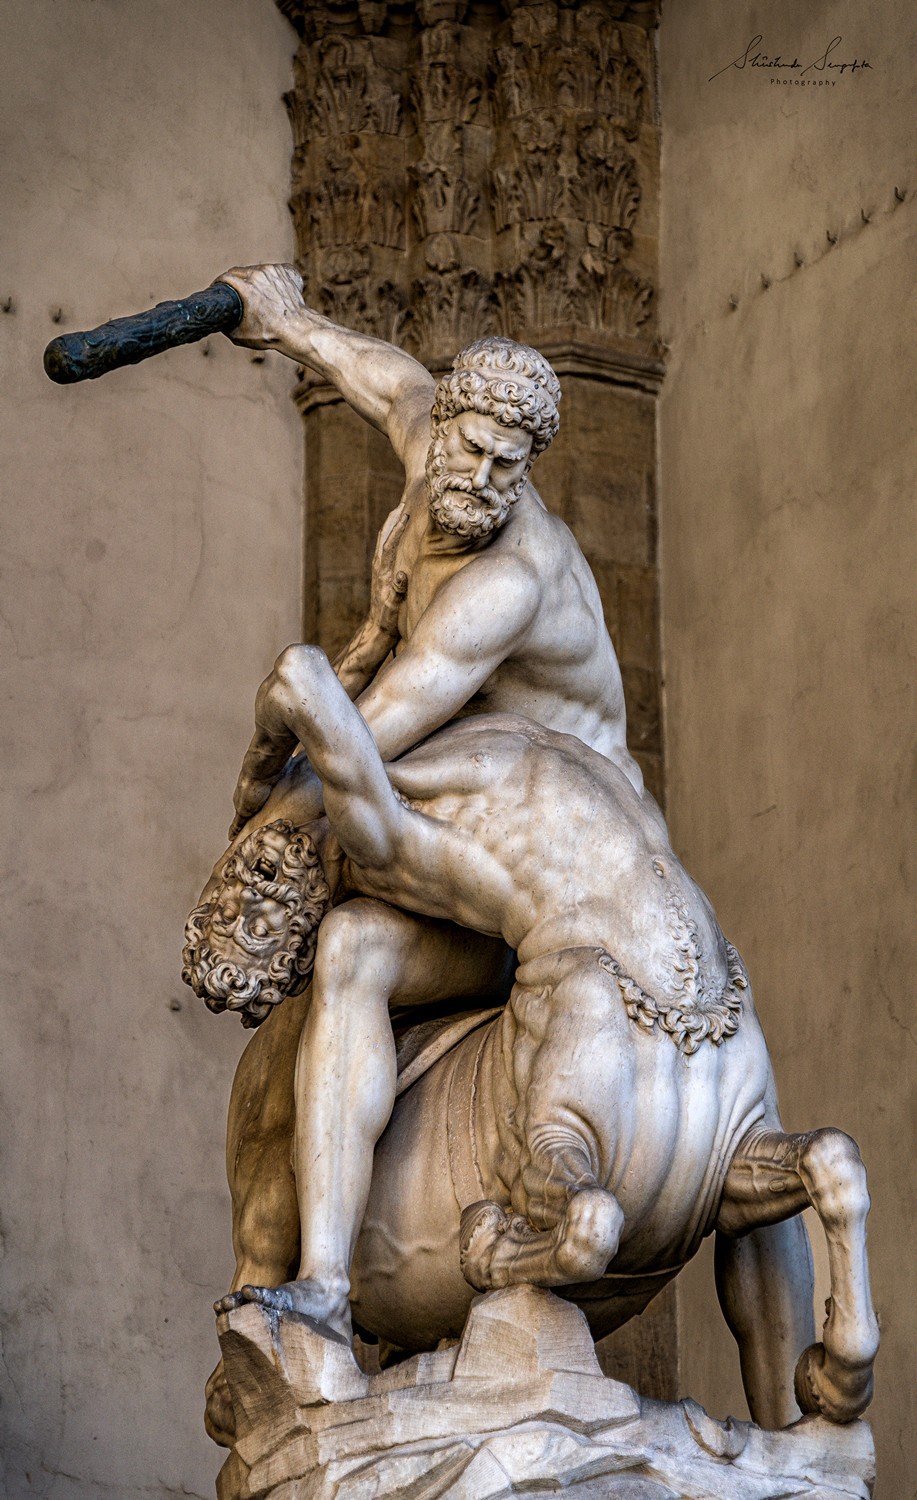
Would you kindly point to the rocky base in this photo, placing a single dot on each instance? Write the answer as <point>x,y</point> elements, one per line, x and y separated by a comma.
<point>519,1407</point>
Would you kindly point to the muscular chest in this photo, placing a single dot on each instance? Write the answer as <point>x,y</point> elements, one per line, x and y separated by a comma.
<point>428,564</point>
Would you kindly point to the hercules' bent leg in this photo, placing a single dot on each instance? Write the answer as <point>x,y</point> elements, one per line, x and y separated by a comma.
<point>368,955</point>
<point>764,1282</point>
<point>773,1177</point>
<point>344,1089</point>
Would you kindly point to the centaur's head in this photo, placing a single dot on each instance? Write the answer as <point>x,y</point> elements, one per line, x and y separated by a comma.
<point>253,942</point>
<point>493,414</point>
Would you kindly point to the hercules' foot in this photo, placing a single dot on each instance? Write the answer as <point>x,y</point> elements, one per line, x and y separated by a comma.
<point>308,1298</point>
<point>827,1388</point>
<point>219,1416</point>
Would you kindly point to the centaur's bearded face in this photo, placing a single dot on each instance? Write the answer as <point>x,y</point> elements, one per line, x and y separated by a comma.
<point>253,942</point>
<point>476,470</point>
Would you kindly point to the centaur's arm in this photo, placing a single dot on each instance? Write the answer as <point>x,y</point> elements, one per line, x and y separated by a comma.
<point>421,863</point>
<point>418,862</point>
<point>303,700</point>
<point>383,384</point>
<point>267,760</point>
<point>457,645</point>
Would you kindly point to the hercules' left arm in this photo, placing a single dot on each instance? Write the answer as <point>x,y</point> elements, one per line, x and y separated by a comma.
<point>476,621</point>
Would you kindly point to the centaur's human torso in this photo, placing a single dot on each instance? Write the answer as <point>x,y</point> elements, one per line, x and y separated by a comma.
<point>551,847</point>
<point>548,844</point>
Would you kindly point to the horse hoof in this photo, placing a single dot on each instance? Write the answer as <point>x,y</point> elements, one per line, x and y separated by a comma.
<point>824,1388</point>
<point>481,1227</point>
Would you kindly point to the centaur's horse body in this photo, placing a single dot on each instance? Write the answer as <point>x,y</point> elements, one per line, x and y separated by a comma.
<point>660,1126</point>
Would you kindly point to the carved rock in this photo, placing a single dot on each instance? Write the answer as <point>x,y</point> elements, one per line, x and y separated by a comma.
<point>518,1407</point>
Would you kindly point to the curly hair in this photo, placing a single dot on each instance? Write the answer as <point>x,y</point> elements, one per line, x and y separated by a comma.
<point>510,382</point>
<point>297,883</point>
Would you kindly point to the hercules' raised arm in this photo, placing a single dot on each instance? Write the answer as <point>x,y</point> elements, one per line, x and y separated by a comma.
<point>383,384</point>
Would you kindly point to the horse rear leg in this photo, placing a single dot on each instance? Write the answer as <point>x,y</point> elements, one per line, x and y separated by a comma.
<point>773,1177</point>
<point>765,1284</point>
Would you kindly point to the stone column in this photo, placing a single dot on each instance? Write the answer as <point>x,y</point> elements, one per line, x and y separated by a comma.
<point>469,166</point>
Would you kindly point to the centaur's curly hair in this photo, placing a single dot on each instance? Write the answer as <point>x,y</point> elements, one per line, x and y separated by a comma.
<point>510,382</point>
<point>298,883</point>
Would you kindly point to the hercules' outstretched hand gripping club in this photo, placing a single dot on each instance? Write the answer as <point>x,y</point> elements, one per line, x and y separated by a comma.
<point>126,341</point>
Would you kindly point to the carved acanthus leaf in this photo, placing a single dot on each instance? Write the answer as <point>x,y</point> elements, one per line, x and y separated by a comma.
<point>605,190</point>
<point>530,180</point>
<point>538,69</point>
<point>441,88</point>
<point>347,291</point>
<point>383,218</point>
<point>342,92</point>
<point>449,301</point>
<point>627,301</point>
<point>444,200</point>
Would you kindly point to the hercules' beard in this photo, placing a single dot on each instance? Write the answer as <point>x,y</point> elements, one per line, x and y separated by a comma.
<point>460,509</point>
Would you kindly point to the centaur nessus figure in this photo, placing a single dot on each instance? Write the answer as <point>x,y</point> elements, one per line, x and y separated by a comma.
<point>494,611</point>
<point>619,1108</point>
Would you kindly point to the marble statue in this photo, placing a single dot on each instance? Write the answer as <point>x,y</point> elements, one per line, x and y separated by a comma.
<point>621,1105</point>
<point>492,607</point>
<point>445,829</point>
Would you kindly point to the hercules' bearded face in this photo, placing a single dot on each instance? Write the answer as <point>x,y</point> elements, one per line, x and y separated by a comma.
<point>476,471</point>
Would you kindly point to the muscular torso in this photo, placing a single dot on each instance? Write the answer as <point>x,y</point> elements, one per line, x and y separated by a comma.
<point>541,840</point>
<point>564,673</point>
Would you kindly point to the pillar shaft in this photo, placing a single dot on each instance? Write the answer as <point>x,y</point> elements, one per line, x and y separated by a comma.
<point>463,167</point>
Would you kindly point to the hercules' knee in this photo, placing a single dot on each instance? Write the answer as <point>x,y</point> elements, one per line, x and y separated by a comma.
<point>353,942</point>
<point>297,666</point>
<point>341,941</point>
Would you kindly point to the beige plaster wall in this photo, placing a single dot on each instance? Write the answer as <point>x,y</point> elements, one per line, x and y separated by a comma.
<point>151,569</point>
<point>787,561</point>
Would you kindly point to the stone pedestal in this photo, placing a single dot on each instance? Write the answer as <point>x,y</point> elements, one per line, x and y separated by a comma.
<point>517,1408</point>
